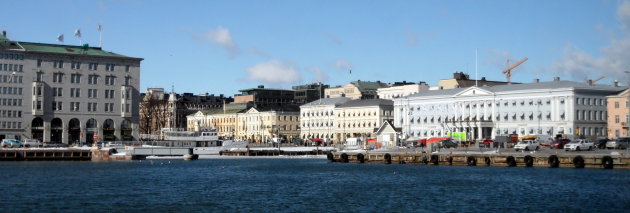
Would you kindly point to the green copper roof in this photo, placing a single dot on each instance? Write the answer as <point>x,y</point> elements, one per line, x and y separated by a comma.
<point>67,49</point>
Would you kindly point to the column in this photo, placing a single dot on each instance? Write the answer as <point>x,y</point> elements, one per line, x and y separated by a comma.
<point>46,132</point>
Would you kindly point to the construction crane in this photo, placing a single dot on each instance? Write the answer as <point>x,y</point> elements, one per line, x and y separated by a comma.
<point>508,71</point>
<point>593,81</point>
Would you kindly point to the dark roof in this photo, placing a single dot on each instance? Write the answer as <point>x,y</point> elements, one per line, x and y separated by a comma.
<point>279,107</point>
<point>368,85</point>
<point>367,102</point>
<point>328,101</point>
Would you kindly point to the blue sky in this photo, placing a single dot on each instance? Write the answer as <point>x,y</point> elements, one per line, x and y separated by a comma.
<point>220,47</point>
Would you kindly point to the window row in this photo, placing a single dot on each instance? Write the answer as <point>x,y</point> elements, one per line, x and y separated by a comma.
<point>590,101</point>
<point>357,125</point>
<point>354,114</point>
<point>12,67</point>
<point>11,78</point>
<point>10,102</point>
<point>76,106</point>
<point>11,56</point>
<point>10,114</point>
<point>10,125</point>
<point>75,65</point>
<point>318,113</point>
<point>11,90</point>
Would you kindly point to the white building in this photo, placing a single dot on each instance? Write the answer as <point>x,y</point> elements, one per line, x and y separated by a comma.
<point>401,89</point>
<point>557,107</point>
<point>359,118</point>
<point>318,118</point>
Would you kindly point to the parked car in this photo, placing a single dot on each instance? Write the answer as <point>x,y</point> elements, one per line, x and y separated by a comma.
<point>527,145</point>
<point>600,144</point>
<point>559,144</point>
<point>619,143</point>
<point>12,143</point>
<point>486,142</point>
<point>578,145</point>
<point>447,144</point>
<point>32,143</point>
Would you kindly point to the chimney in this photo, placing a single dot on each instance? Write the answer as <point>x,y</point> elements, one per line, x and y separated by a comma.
<point>4,33</point>
<point>261,86</point>
<point>616,83</point>
<point>590,82</point>
<point>536,80</point>
<point>556,78</point>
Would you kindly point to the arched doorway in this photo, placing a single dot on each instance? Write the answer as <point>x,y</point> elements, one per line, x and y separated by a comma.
<point>91,130</point>
<point>74,130</point>
<point>37,129</point>
<point>125,130</point>
<point>108,130</point>
<point>56,130</point>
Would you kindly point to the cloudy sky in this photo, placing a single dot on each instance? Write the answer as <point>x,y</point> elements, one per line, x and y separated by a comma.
<point>220,47</point>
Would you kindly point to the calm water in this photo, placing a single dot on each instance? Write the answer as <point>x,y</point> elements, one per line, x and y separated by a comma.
<point>304,185</point>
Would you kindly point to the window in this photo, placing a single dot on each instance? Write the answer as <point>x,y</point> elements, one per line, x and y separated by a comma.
<point>75,65</point>
<point>127,68</point>
<point>128,94</point>
<point>75,92</point>
<point>110,80</point>
<point>57,106</point>
<point>109,93</point>
<point>92,93</point>
<point>57,92</point>
<point>58,64</point>
<point>75,78</point>
<point>616,104</point>
<point>93,79</point>
<point>109,67</point>
<point>127,80</point>
<point>92,107</point>
<point>57,77</point>
<point>39,62</point>
<point>616,119</point>
<point>75,106</point>
<point>109,107</point>
<point>93,66</point>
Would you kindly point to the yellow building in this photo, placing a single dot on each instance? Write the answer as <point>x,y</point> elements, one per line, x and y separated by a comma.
<point>356,90</point>
<point>360,118</point>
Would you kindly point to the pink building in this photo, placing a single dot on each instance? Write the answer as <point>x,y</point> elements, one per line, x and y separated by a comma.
<point>618,110</point>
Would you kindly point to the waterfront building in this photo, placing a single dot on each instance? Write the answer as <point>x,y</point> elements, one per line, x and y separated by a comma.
<point>160,110</point>
<point>359,118</point>
<point>223,120</point>
<point>309,92</point>
<point>317,118</point>
<point>356,90</point>
<point>618,115</point>
<point>256,124</point>
<point>386,135</point>
<point>462,80</point>
<point>550,108</point>
<point>67,94</point>
<point>266,97</point>
<point>401,89</point>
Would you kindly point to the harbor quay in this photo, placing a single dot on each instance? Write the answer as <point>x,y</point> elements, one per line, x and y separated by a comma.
<point>544,158</point>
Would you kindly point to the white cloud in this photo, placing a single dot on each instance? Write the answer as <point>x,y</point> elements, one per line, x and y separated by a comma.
<point>320,76</point>
<point>612,62</point>
<point>343,64</point>
<point>222,37</point>
<point>273,72</point>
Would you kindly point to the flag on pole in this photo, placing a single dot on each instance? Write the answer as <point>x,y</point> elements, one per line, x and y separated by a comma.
<point>77,33</point>
<point>350,71</point>
<point>100,28</point>
<point>60,38</point>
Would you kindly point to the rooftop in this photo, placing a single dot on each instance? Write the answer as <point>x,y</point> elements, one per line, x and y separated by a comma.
<point>367,102</point>
<point>328,101</point>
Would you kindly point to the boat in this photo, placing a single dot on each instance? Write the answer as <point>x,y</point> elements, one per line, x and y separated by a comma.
<point>204,142</point>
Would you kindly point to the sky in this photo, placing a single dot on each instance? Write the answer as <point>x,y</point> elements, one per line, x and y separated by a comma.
<point>220,47</point>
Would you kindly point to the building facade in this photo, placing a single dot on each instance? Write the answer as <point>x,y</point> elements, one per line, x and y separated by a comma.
<point>224,120</point>
<point>462,80</point>
<point>309,92</point>
<point>401,89</point>
<point>266,97</point>
<point>356,90</point>
<point>160,110</point>
<point>359,118</point>
<point>550,108</point>
<point>317,118</point>
<point>618,115</point>
<point>255,124</point>
<point>67,94</point>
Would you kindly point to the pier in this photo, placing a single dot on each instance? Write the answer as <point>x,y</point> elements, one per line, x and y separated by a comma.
<point>45,154</point>
<point>561,159</point>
